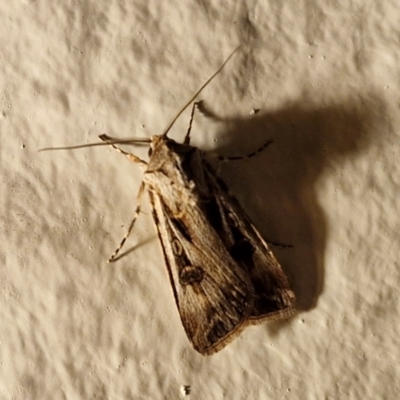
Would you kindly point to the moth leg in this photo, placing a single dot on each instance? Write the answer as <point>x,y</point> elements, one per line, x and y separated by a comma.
<point>135,216</point>
<point>250,155</point>
<point>131,157</point>
<point>187,136</point>
<point>280,245</point>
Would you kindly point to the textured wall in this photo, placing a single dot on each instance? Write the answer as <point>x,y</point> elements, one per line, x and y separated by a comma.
<point>325,77</point>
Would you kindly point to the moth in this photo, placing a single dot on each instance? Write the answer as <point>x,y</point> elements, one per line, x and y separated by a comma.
<point>223,275</point>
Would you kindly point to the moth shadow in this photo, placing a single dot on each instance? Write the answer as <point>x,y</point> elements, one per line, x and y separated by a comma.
<point>134,248</point>
<point>278,188</point>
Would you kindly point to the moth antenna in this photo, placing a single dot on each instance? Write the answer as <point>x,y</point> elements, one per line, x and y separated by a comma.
<point>198,92</point>
<point>135,141</point>
<point>131,157</point>
<point>111,141</point>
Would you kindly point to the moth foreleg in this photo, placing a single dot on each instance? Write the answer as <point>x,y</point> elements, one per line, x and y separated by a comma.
<point>135,216</point>
<point>130,156</point>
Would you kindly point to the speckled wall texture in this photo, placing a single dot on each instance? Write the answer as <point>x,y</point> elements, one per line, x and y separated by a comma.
<point>325,77</point>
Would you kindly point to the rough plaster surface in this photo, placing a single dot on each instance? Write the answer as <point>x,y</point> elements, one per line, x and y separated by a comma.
<point>325,77</point>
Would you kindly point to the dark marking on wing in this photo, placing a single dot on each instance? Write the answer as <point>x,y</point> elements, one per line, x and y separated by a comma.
<point>190,275</point>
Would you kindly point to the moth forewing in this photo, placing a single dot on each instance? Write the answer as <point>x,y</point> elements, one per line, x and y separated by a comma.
<point>213,294</point>
<point>273,297</point>
<point>223,274</point>
<point>212,301</point>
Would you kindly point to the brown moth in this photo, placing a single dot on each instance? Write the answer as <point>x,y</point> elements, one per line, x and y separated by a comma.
<point>223,275</point>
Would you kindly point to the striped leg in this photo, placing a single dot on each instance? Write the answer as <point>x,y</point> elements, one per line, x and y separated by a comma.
<point>137,160</point>
<point>135,216</point>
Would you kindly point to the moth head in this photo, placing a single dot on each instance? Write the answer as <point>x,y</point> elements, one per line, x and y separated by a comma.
<point>156,141</point>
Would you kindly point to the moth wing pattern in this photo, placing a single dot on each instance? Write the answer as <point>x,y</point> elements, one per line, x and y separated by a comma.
<point>223,274</point>
<point>213,294</point>
<point>273,299</point>
<point>213,297</point>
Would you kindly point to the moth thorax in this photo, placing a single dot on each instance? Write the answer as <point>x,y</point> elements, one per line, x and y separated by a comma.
<point>190,274</point>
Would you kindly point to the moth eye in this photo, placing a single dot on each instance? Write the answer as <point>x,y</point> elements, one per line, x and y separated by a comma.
<point>177,247</point>
<point>150,152</point>
<point>190,274</point>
